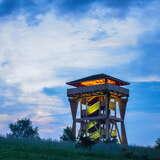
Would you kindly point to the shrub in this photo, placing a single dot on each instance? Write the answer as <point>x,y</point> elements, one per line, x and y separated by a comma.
<point>111,141</point>
<point>68,135</point>
<point>127,153</point>
<point>85,141</point>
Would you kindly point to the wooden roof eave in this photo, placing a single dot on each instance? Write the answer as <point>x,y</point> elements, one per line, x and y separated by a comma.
<point>97,88</point>
<point>77,83</point>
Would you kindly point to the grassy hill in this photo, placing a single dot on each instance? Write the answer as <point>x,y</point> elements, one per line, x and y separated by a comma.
<point>16,149</point>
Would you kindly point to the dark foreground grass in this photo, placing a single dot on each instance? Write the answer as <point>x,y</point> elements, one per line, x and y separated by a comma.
<point>22,149</point>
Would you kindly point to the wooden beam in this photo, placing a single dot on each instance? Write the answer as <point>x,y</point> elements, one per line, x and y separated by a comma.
<point>97,88</point>
<point>73,106</point>
<point>122,107</point>
<point>111,118</point>
<point>107,114</point>
<point>123,134</point>
<point>119,136</point>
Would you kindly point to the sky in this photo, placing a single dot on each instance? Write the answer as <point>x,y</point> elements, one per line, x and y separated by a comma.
<point>45,43</point>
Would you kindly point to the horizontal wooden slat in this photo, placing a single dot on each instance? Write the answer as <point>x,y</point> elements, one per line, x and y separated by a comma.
<point>97,88</point>
<point>112,118</point>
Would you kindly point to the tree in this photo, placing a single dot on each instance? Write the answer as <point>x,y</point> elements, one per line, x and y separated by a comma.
<point>68,135</point>
<point>157,143</point>
<point>23,129</point>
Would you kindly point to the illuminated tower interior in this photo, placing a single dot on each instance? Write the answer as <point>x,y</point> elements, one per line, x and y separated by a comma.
<point>98,107</point>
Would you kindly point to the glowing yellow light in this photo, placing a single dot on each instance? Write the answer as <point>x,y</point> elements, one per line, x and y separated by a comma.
<point>115,97</point>
<point>95,135</point>
<point>111,82</point>
<point>114,133</point>
<point>93,82</point>
<point>93,108</point>
<point>112,105</point>
<point>98,82</point>
<point>91,124</point>
<point>91,98</point>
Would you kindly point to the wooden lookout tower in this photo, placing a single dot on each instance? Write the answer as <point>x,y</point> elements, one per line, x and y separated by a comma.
<point>98,106</point>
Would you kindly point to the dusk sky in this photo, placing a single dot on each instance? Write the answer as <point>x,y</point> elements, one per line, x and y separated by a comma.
<point>45,43</point>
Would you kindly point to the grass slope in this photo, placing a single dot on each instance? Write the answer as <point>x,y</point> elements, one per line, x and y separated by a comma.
<point>14,149</point>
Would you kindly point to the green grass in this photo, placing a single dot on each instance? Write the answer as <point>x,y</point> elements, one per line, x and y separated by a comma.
<point>23,149</point>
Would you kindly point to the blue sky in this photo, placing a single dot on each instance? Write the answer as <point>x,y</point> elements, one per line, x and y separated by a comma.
<point>44,43</point>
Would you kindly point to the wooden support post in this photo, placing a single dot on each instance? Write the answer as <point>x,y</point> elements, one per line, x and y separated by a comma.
<point>81,107</point>
<point>119,136</point>
<point>107,115</point>
<point>123,134</point>
<point>73,106</point>
<point>122,107</point>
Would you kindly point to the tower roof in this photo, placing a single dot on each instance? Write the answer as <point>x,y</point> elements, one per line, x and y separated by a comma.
<point>96,80</point>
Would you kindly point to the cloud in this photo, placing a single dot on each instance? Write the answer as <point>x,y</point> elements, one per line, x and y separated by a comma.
<point>150,78</point>
<point>63,7</point>
<point>31,56</point>
<point>40,108</point>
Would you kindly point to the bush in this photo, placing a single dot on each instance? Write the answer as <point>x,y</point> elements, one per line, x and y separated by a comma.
<point>111,141</point>
<point>85,141</point>
<point>23,129</point>
<point>68,135</point>
<point>127,153</point>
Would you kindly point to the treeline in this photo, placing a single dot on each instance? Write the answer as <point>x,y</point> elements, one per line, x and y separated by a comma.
<point>23,128</point>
